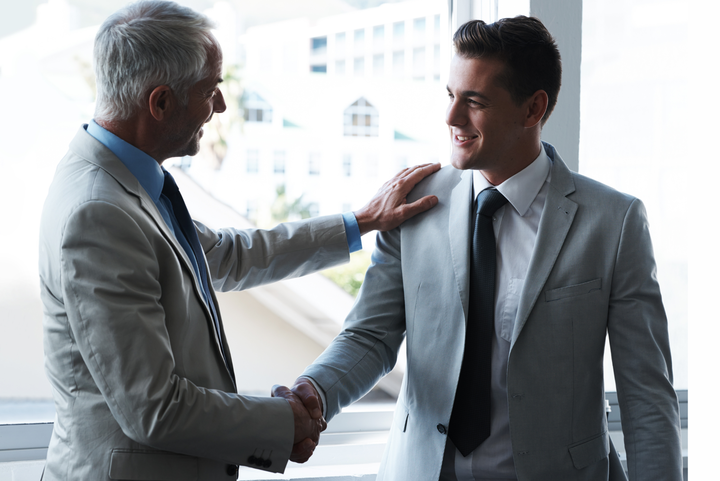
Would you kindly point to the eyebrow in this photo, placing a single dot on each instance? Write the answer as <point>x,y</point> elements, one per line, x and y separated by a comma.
<point>472,93</point>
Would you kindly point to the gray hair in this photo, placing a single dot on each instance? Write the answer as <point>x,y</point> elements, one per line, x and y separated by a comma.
<point>144,45</point>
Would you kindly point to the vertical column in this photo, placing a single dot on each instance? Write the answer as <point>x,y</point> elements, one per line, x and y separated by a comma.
<point>563,18</point>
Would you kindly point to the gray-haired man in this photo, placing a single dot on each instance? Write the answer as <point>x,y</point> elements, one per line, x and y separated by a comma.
<point>135,350</point>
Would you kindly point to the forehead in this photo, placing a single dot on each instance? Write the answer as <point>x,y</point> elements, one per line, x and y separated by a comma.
<point>474,73</point>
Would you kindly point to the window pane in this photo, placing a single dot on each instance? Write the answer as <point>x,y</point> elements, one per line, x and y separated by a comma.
<point>633,122</point>
<point>281,108</point>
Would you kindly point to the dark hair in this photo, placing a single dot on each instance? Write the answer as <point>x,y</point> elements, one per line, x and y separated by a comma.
<point>523,44</point>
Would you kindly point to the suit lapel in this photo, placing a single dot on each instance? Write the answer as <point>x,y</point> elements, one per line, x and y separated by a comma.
<point>557,217</point>
<point>461,202</point>
<point>90,149</point>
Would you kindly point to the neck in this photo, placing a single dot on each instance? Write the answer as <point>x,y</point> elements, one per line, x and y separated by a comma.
<point>512,163</point>
<point>138,131</point>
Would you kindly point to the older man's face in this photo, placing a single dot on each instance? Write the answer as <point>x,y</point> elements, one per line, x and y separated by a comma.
<point>204,100</point>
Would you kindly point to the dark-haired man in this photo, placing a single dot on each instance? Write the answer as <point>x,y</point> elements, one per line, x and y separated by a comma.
<point>505,293</point>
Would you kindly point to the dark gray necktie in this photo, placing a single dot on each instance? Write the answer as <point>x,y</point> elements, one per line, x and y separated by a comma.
<point>470,419</point>
<point>197,256</point>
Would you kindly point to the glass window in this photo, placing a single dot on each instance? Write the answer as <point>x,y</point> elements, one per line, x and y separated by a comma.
<point>419,29</point>
<point>318,45</point>
<point>255,108</point>
<point>252,161</point>
<point>279,162</point>
<point>361,119</point>
<point>399,63</point>
<point>633,126</point>
<point>340,67</point>
<point>318,68</point>
<point>378,64</point>
<point>359,40</point>
<point>379,37</point>
<point>398,33</point>
<point>359,67</point>
<point>419,63</point>
<point>340,44</point>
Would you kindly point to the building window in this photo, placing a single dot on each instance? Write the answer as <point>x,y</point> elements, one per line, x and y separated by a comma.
<point>279,162</point>
<point>255,108</point>
<point>252,161</point>
<point>398,33</point>
<point>359,40</point>
<point>347,165</point>
<point>379,37</point>
<point>419,29</point>
<point>314,164</point>
<point>361,119</point>
<point>378,64</point>
<point>318,45</point>
<point>419,63</point>
<point>359,67</point>
<point>339,67</point>
<point>340,44</point>
<point>319,68</point>
<point>399,63</point>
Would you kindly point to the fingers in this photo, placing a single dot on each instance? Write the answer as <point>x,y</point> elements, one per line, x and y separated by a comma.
<point>420,205</point>
<point>302,451</point>
<point>309,396</point>
<point>414,175</point>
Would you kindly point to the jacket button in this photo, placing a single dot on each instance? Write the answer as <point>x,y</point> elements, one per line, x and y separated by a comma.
<point>441,429</point>
<point>232,470</point>
<point>259,462</point>
<point>252,459</point>
<point>267,463</point>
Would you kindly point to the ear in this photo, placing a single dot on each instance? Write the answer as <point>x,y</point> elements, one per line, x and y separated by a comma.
<point>536,107</point>
<point>161,102</point>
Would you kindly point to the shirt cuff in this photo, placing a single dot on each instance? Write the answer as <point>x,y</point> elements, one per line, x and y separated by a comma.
<point>352,231</point>
<point>320,392</point>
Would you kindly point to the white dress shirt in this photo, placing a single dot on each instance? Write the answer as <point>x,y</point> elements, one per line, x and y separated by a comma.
<point>516,225</point>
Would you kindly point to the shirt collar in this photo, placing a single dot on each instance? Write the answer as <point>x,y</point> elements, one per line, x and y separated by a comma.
<point>145,169</point>
<point>522,188</point>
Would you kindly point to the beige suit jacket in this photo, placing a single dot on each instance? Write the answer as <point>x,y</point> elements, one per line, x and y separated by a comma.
<point>140,384</point>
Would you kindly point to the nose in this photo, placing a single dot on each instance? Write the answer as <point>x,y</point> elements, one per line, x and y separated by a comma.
<point>455,114</point>
<point>219,103</point>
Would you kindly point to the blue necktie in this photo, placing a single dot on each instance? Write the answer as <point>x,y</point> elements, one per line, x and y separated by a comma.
<point>196,255</point>
<point>470,418</point>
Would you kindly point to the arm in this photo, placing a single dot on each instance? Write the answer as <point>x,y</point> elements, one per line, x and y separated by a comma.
<point>367,347</point>
<point>241,259</point>
<point>637,329</point>
<point>115,305</point>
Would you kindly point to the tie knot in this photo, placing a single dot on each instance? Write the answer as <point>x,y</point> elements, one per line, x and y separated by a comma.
<point>169,185</point>
<point>488,201</point>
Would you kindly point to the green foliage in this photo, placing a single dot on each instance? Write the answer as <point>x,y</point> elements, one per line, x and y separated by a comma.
<point>350,276</point>
<point>283,209</point>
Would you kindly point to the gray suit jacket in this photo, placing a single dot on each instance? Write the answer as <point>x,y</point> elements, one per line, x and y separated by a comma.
<point>140,385</point>
<point>592,273</point>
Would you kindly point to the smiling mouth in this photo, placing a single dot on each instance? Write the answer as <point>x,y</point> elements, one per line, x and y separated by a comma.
<point>465,138</point>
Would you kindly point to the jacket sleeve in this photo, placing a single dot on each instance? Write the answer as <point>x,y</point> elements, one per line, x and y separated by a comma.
<point>368,345</point>
<point>241,259</point>
<point>638,333</point>
<point>111,284</point>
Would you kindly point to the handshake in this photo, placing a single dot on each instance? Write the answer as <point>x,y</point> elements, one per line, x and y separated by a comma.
<point>307,411</point>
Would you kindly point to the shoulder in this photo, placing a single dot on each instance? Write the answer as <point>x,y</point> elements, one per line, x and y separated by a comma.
<point>441,183</point>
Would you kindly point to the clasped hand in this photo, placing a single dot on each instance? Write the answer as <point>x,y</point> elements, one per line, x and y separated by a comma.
<point>307,413</point>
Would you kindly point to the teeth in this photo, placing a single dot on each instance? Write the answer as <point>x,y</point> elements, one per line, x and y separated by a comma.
<point>463,139</point>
